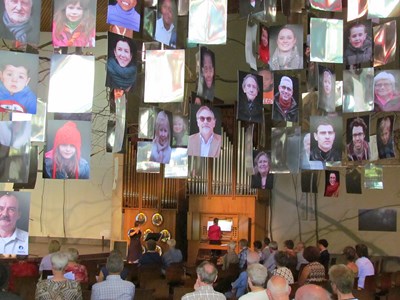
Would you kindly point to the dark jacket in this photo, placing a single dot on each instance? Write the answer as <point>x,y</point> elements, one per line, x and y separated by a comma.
<point>292,115</point>
<point>354,56</point>
<point>318,154</point>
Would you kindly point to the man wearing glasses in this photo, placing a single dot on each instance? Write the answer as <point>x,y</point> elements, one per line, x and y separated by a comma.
<point>285,107</point>
<point>358,148</point>
<point>205,143</point>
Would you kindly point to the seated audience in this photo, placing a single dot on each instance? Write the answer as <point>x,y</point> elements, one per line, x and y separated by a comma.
<point>45,264</point>
<point>230,257</point>
<point>4,273</point>
<point>266,251</point>
<point>58,287</point>
<point>365,266</point>
<point>104,271</point>
<point>350,255</point>
<point>203,288</point>
<point>257,275</point>
<point>244,250</point>
<point>300,258</point>
<point>172,255</point>
<point>114,287</point>
<point>312,292</point>
<point>282,261</point>
<point>278,288</point>
<point>21,268</point>
<point>151,257</point>
<point>80,272</point>
<point>239,286</point>
<point>314,272</point>
<point>342,281</point>
<point>324,256</point>
<point>269,263</point>
<point>257,246</point>
<point>288,247</point>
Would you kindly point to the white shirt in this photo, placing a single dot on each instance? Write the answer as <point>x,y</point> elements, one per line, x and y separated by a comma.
<point>205,147</point>
<point>365,268</point>
<point>15,244</point>
<point>260,295</point>
<point>162,34</point>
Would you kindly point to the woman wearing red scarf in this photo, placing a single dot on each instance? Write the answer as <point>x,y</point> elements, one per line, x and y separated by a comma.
<point>332,189</point>
<point>263,48</point>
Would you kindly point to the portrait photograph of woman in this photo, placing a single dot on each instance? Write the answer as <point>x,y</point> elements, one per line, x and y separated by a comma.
<point>121,62</point>
<point>386,92</point>
<point>326,89</point>
<point>261,179</point>
<point>332,183</point>
<point>67,153</point>
<point>161,148</point>
<point>180,131</point>
<point>206,87</point>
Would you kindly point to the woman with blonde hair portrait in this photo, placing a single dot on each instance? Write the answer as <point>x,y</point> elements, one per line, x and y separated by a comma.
<point>261,178</point>
<point>286,55</point>
<point>161,149</point>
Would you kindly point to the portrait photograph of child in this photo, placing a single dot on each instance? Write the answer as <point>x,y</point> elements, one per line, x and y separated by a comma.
<point>18,82</point>
<point>358,43</point>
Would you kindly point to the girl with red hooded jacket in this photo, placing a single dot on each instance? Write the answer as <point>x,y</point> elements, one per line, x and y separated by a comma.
<point>64,160</point>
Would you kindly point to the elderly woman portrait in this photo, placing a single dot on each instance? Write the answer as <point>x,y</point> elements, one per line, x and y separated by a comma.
<point>58,287</point>
<point>386,97</point>
<point>20,21</point>
<point>261,178</point>
<point>121,63</point>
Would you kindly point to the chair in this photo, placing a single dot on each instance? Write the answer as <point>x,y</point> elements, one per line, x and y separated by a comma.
<point>179,292</point>
<point>396,279</point>
<point>46,273</point>
<point>148,273</point>
<point>363,295</point>
<point>393,293</point>
<point>26,287</point>
<point>174,273</point>
<point>293,288</point>
<point>370,284</point>
<point>160,288</point>
<point>143,294</point>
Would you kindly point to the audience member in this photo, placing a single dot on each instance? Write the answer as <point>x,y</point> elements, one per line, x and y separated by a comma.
<point>172,255</point>
<point>80,272</point>
<point>365,266</point>
<point>312,292</point>
<point>230,257</point>
<point>300,257</point>
<point>350,255</point>
<point>21,268</point>
<point>151,257</point>
<point>257,275</point>
<point>244,250</point>
<point>58,287</point>
<point>114,287</point>
<point>104,271</point>
<point>207,274</point>
<point>282,261</point>
<point>278,288</point>
<point>257,246</point>
<point>45,264</point>
<point>342,281</point>
<point>314,272</point>
<point>288,247</point>
<point>324,256</point>
<point>269,263</point>
<point>4,273</point>
<point>266,251</point>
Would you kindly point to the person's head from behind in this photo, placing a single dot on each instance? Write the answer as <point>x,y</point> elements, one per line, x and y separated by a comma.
<point>123,53</point>
<point>205,121</point>
<point>207,273</point>
<point>312,292</point>
<point>349,253</point>
<point>257,245</point>
<point>361,250</point>
<point>358,130</point>
<point>384,85</point>
<point>14,77</point>
<point>264,36</point>
<point>73,254</point>
<point>342,279</point>
<point>385,130</point>
<point>285,89</point>
<point>215,221</point>
<point>243,243</point>
<point>286,40</point>
<point>257,275</point>
<point>179,125</point>
<point>115,264</point>
<point>288,244</point>
<point>261,163</point>
<point>332,178</point>
<point>300,246</point>
<point>54,246</point>
<point>324,135</point>
<point>357,35</point>
<point>252,258</point>
<point>278,288</point>
<point>59,261</point>
<point>250,87</point>
<point>311,254</point>
<point>18,11</point>
<point>162,128</point>
<point>327,82</point>
<point>207,67</point>
<point>231,246</point>
<point>171,243</point>
<point>323,243</point>
<point>151,245</point>
<point>268,80</point>
<point>127,5</point>
<point>281,259</point>
<point>273,245</point>
<point>9,213</point>
<point>267,241</point>
<point>167,12</point>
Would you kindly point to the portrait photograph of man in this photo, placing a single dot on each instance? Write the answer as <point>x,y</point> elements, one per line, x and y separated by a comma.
<point>166,24</point>
<point>14,223</point>
<point>205,128</point>
<point>326,143</point>
<point>286,107</point>
<point>357,147</point>
<point>20,21</point>
<point>250,108</point>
